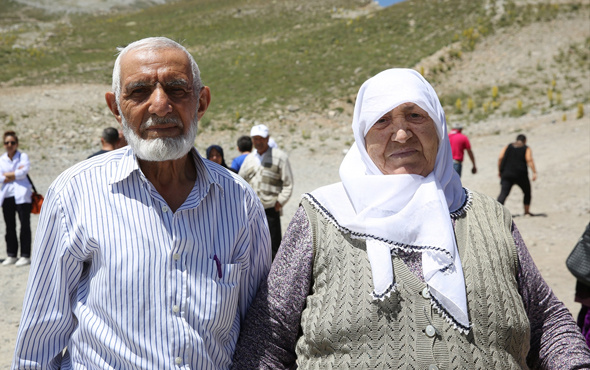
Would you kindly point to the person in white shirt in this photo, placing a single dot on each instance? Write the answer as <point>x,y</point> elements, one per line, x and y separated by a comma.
<point>148,256</point>
<point>15,198</point>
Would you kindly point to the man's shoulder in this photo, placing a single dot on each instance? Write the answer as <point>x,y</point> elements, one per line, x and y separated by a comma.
<point>224,177</point>
<point>278,153</point>
<point>249,159</point>
<point>239,159</point>
<point>97,153</point>
<point>96,169</point>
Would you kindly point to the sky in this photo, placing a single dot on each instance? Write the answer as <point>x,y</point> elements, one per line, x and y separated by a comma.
<point>388,2</point>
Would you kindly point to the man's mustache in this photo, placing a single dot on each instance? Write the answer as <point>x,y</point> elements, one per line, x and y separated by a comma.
<point>154,121</point>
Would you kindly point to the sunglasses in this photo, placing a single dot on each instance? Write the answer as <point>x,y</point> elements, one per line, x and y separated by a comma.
<point>10,143</point>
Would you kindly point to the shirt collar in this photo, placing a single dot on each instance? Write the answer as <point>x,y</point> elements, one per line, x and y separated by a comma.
<point>206,177</point>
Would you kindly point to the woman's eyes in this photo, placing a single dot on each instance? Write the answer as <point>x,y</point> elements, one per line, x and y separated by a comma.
<point>382,122</point>
<point>416,117</point>
<point>409,117</point>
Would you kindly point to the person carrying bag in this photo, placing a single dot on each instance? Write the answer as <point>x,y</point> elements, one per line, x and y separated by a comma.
<point>15,198</point>
<point>36,199</point>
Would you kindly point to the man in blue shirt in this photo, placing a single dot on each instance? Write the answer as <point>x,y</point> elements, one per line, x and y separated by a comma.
<point>244,147</point>
<point>146,256</point>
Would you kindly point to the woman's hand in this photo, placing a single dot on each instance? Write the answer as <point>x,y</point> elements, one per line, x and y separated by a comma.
<point>8,177</point>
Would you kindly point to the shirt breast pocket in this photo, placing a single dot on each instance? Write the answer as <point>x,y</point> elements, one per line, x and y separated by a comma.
<point>218,304</point>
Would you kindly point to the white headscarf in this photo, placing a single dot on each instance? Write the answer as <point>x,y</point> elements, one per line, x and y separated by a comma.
<point>408,212</point>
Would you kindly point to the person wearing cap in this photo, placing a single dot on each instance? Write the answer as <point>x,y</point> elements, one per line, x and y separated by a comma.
<point>268,171</point>
<point>460,143</point>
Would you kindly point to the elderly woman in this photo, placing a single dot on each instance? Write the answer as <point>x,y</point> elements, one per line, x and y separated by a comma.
<point>399,266</point>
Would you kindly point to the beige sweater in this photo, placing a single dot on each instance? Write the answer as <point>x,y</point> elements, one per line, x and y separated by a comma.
<point>271,179</point>
<point>344,328</point>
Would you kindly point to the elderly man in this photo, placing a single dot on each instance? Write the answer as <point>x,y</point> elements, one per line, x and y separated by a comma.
<point>268,171</point>
<point>149,258</point>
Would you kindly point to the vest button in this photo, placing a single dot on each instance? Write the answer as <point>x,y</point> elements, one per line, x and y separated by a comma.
<point>425,293</point>
<point>430,331</point>
<point>432,367</point>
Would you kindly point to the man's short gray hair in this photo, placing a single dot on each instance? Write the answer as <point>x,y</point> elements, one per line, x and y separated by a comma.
<point>153,43</point>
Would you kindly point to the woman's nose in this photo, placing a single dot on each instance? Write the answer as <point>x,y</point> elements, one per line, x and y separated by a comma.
<point>401,134</point>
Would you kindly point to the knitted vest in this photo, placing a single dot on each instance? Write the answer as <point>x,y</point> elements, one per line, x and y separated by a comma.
<point>344,328</point>
<point>266,178</point>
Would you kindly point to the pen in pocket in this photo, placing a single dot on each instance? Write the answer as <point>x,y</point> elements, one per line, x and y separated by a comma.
<point>218,264</point>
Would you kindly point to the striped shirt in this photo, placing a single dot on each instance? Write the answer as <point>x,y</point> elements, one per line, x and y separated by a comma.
<point>125,283</point>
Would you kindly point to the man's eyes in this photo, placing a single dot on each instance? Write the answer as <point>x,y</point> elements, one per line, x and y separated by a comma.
<point>176,91</point>
<point>146,91</point>
<point>139,91</point>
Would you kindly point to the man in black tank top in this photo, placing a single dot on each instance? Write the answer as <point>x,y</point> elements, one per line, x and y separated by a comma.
<point>512,169</point>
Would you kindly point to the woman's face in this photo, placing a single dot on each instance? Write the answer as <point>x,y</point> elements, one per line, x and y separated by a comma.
<point>215,156</point>
<point>403,141</point>
<point>10,144</point>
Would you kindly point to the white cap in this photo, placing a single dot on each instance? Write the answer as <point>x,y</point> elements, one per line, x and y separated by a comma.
<point>259,130</point>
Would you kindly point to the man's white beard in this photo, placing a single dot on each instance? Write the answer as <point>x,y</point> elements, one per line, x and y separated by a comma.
<point>160,149</point>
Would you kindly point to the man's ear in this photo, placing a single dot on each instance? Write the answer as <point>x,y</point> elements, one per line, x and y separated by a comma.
<point>112,103</point>
<point>204,100</point>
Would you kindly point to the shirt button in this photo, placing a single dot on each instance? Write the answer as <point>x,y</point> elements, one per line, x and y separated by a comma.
<point>165,209</point>
<point>178,360</point>
<point>432,367</point>
<point>425,293</point>
<point>175,308</point>
<point>176,256</point>
<point>430,331</point>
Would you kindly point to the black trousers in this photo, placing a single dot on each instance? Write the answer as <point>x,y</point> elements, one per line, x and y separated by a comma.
<point>10,209</point>
<point>274,225</point>
<point>506,184</point>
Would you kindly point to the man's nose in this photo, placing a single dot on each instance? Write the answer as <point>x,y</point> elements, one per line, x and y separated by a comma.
<point>159,102</point>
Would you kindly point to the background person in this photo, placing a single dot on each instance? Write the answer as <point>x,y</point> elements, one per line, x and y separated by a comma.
<point>268,171</point>
<point>215,154</point>
<point>15,197</point>
<point>459,144</point>
<point>244,147</point>
<point>399,266</point>
<point>108,141</point>
<point>150,257</point>
<point>512,169</point>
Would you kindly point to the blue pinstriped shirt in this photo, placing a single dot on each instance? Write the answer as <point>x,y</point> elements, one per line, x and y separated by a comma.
<point>125,283</point>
